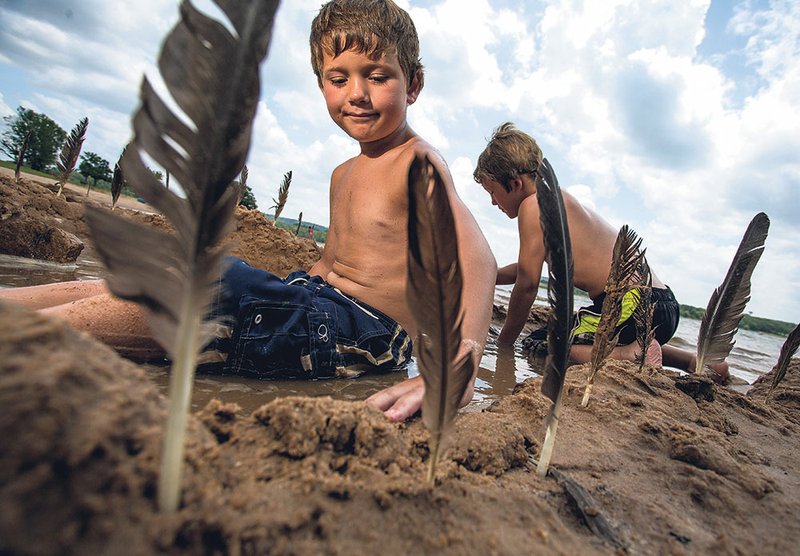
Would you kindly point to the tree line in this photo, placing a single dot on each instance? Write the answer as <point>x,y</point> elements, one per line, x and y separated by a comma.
<point>40,140</point>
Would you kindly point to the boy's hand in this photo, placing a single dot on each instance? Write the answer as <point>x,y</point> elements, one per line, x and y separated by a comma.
<point>401,401</point>
<point>404,399</point>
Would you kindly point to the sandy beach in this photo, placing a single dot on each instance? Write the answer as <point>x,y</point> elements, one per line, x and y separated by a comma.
<point>658,463</point>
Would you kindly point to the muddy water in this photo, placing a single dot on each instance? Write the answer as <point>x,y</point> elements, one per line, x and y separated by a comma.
<point>501,368</point>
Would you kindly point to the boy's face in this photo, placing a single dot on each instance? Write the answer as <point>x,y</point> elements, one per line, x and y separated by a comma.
<point>507,201</point>
<point>366,98</point>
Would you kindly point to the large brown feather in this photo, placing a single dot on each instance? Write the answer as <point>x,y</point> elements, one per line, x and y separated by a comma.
<point>434,298</point>
<point>726,306</point>
<point>625,264</point>
<point>555,230</point>
<point>213,76</point>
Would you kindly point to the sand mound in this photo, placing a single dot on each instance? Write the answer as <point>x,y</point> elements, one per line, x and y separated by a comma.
<point>673,465</point>
<point>35,223</point>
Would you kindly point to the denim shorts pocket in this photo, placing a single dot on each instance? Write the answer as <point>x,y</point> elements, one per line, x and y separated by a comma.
<point>272,341</point>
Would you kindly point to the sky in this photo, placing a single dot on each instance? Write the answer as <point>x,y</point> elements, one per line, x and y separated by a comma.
<point>679,119</point>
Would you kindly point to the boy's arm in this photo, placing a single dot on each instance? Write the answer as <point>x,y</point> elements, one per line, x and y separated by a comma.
<point>507,275</point>
<point>479,271</point>
<point>529,270</point>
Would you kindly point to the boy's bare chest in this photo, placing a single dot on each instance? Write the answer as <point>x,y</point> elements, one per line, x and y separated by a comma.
<point>371,203</point>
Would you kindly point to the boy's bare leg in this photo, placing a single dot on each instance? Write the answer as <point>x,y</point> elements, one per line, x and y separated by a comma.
<point>583,353</point>
<point>687,361</point>
<point>52,295</point>
<point>119,324</point>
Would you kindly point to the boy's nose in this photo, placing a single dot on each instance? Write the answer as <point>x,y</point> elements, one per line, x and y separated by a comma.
<point>358,92</point>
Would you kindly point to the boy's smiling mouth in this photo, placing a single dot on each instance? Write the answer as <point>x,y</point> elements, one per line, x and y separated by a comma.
<point>361,115</point>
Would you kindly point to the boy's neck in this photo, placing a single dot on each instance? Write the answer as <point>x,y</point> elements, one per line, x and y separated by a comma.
<point>399,136</point>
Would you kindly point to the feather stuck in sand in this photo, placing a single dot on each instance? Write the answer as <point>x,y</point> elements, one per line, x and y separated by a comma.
<point>553,220</point>
<point>213,77</point>
<point>434,298</point>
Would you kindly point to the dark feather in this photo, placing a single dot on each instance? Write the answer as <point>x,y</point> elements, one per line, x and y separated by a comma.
<point>726,306</point>
<point>643,314</point>
<point>788,349</point>
<point>117,181</point>
<point>625,265</point>
<point>283,194</point>
<point>553,220</point>
<point>434,298</point>
<point>70,153</point>
<point>213,77</point>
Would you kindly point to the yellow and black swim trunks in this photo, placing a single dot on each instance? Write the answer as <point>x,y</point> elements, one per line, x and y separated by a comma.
<point>666,317</point>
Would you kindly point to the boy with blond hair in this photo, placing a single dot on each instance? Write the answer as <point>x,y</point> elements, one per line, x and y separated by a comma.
<point>348,314</point>
<point>507,170</point>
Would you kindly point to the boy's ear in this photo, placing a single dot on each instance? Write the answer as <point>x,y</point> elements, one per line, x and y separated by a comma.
<point>414,88</point>
<point>516,183</point>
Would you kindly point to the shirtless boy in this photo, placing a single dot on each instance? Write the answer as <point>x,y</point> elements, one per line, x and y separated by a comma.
<point>507,171</point>
<point>365,54</point>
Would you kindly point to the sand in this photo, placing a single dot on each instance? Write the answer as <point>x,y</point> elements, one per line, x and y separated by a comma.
<point>670,464</point>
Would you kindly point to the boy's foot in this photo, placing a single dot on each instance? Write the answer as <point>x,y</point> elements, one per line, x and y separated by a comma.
<point>718,372</point>
<point>654,356</point>
<point>631,353</point>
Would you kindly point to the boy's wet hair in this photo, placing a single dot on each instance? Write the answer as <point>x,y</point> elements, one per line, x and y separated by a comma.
<point>509,154</point>
<point>371,27</point>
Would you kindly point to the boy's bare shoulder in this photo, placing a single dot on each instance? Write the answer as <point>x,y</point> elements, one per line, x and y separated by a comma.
<point>420,148</point>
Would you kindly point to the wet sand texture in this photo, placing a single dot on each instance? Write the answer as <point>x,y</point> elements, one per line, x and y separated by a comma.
<point>675,465</point>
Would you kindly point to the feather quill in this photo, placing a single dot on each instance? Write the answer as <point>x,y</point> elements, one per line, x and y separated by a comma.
<point>117,181</point>
<point>625,264</point>
<point>213,77</point>
<point>643,314</point>
<point>726,306</point>
<point>788,349</point>
<point>283,194</point>
<point>434,297</point>
<point>553,220</point>
<point>70,153</point>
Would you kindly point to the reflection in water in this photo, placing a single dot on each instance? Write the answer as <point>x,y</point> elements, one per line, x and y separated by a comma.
<point>16,272</point>
<point>500,369</point>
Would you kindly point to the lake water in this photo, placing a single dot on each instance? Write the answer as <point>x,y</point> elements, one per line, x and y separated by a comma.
<point>501,368</point>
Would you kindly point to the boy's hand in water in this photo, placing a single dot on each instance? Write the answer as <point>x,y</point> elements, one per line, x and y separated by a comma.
<point>401,401</point>
<point>404,399</point>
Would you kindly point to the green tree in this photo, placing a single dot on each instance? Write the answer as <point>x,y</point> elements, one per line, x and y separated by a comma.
<point>248,200</point>
<point>94,166</point>
<point>46,138</point>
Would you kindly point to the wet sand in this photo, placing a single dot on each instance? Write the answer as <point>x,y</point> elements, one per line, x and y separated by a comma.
<point>671,464</point>
<point>674,465</point>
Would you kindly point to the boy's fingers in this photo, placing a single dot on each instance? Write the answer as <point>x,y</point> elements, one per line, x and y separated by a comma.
<point>401,401</point>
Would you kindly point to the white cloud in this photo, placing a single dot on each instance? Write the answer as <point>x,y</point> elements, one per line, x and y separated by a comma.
<point>5,109</point>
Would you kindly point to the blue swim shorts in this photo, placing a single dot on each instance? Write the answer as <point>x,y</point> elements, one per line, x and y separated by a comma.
<point>300,327</point>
